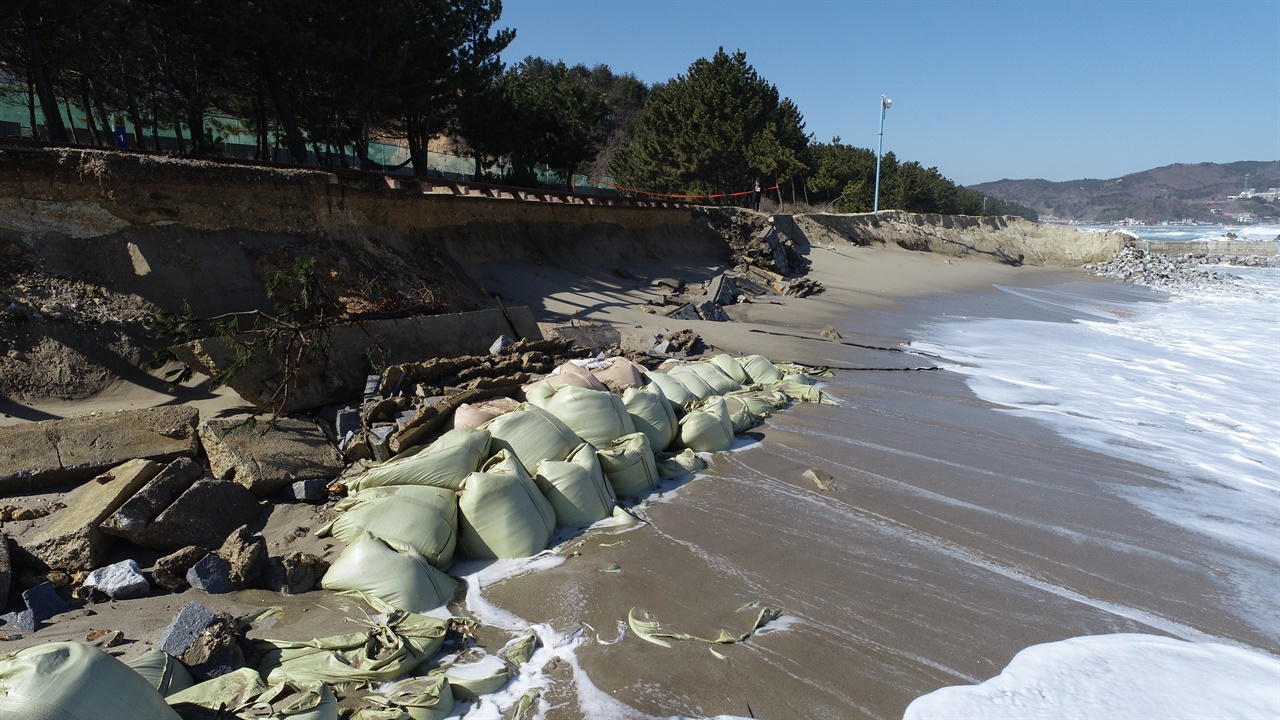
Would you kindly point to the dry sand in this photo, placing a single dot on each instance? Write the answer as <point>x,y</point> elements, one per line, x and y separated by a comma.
<point>954,536</point>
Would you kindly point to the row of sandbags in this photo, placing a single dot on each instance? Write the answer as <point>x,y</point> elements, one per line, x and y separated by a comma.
<point>499,490</point>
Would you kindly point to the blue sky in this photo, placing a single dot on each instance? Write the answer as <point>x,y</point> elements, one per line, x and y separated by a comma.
<point>981,90</point>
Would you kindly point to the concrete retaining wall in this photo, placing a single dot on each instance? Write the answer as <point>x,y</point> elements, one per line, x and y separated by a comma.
<point>1214,247</point>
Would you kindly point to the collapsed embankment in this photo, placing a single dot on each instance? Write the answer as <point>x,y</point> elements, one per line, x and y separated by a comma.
<point>95,243</point>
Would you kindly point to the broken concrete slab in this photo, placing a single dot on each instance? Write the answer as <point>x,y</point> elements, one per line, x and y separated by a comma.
<point>151,499</point>
<point>684,312</point>
<point>711,311</point>
<point>340,374</point>
<point>54,452</point>
<point>120,581</point>
<point>589,337</point>
<point>266,457</point>
<point>74,541</point>
<point>204,514</point>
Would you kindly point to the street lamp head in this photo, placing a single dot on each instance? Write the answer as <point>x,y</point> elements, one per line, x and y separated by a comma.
<point>885,102</point>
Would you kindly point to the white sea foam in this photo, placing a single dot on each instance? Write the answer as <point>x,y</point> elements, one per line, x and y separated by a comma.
<point>1118,676</point>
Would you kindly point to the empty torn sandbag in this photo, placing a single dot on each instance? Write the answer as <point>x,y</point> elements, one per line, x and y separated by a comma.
<point>760,370</point>
<point>706,427</point>
<point>674,390</point>
<point>244,694</point>
<point>402,579</point>
<point>427,697</point>
<point>647,628</point>
<point>652,414</point>
<point>762,402</point>
<point>390,647</point>
<point>629,465</point>
<point>420,517</point>
<point>532,435</point>
<point>75,681</point>
<point>502,513</point>
<point>165,673</point>
<point>674,465</point>
<point>597,416</point>
<point>576,488</point>
<point>444,463</point>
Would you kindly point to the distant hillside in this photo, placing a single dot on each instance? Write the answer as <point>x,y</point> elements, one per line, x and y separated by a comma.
<point>1172,192</point>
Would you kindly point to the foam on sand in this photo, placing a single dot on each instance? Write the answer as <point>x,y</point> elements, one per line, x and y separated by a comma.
<point>1118,676</point>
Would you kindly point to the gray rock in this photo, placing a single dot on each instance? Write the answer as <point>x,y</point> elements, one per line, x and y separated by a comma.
<point>371,384</point>
<point>211,574</point>
<point>121,581</point>
<point>306,491</point>
<point>170,571</point>
<point>44,602</point>
<point>380,441</point>
<point>267,457</point>
<point>19,622</point>
<point>55,452</point>
<point>246,556</point>
<point>184,628</point>
<point>348,421</point>
<point>500,345</point>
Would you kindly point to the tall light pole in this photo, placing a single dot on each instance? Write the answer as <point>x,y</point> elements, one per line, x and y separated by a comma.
<point>885,104</point>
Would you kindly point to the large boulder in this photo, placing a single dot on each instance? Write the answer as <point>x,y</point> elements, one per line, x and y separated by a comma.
<point>55,452</point>
<point>265,457</point>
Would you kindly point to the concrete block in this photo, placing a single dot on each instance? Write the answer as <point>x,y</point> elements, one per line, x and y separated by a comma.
<point>211,574</point>
<point>44,602</point>
<point>19,622</point>
<point>380,441</point>
<point>56,452</point>
<point>266,458</point>
<point>371,384</point>
<point>121,581</point>
<point>184,628</point>
<point>73,541</point>
<point>348,421</point>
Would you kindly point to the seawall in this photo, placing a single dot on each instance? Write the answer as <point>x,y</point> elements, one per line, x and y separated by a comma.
<point>1216,247</point>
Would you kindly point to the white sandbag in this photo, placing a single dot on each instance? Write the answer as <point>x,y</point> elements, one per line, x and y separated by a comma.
<point>629,465</point>
<point>73,681</point>
<point>677,394</point>
<point>444,463</point>
<point>732,368</point>
<point>369,568</point>
<point>761,370</point>
<point>420,517</point>
<point>706,427</point>
<point>502,513</point>
<point>473,415</point>
<point>718,379</point>
<point>595,416</point>
<point>165,673</point>
<point>576,488</point>
<point>692,381</point>
<point>651,413</point>
<point>740,415</point>
<point>620,374</point>
<point>532,435</point>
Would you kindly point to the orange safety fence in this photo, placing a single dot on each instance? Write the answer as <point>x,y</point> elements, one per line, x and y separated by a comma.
<point>606,183</point>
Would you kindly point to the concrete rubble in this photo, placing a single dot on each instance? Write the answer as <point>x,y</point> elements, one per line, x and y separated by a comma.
<point>265,457</point>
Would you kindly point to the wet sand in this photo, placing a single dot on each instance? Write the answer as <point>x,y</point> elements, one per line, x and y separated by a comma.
<point>956,535</point>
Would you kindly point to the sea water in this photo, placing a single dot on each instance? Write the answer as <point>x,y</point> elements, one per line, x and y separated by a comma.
<point>1187,383</point>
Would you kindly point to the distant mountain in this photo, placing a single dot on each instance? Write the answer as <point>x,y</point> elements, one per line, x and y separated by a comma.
<point>1172,192</point>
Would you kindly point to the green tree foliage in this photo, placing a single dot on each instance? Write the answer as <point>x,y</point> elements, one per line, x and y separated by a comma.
<point>713,130</point>
<point>562,119</point>
<point>844,178</point>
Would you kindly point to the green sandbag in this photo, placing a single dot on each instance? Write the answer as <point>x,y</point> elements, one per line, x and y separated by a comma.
<point>72,681</point>
<point>576,488</point>
<point>760,370</point>
<point>798,378</point>
<point>420,517</point>
<point>388,649</point>
<point>163,671</point>
<point>675,391</point>
<point>502,512</point>
<point>674,465</point>
<point>369,568</point>
<point>694,382</point>
<point>740,415</point>
<point>707,428</point>
<point>651,413</point>
<point>803,393</point>
<point>532,435</point>
<point>428,697</point>
<point>444,463</point>
<point>595,416</point>
<point>471,680</point>
<point>629,465</point>
<point>718,379</point>
<point>243,694</point>
<point>732,368</point>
